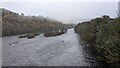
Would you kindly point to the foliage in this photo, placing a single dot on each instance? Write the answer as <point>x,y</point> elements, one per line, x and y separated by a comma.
<point>104,34</point>
<point>13,24</point>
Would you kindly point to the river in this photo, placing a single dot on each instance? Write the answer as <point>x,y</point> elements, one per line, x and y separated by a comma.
<point>63,50</point>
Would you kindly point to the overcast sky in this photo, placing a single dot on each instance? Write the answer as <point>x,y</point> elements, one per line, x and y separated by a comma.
<point>66,11</point>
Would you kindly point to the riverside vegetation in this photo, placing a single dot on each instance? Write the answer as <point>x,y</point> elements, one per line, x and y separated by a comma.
<point>104,35</point>
<point>14,24</point>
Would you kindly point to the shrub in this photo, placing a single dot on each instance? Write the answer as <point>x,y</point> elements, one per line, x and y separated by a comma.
<point>104,34</point>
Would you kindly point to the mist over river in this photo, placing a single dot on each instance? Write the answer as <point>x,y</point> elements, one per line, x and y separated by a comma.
<point>63,50</point>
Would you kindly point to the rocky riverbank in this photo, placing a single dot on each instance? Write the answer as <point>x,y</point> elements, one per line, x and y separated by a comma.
<point>56,33</point>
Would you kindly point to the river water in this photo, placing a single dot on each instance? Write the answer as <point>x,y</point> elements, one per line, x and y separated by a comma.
<point>63,50</point>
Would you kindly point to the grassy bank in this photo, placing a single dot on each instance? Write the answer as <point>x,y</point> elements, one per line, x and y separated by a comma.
<point>14,23</point>
<point>104,34</point>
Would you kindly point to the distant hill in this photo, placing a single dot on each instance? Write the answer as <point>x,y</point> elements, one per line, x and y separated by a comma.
<point>14,23</point>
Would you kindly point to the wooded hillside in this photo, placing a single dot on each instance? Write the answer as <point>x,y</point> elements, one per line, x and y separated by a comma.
<point>14,23</point>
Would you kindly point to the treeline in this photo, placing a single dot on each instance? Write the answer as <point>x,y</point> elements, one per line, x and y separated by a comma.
<point>104,34</point>
<point>69,26</point>
<point>14,23</point>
